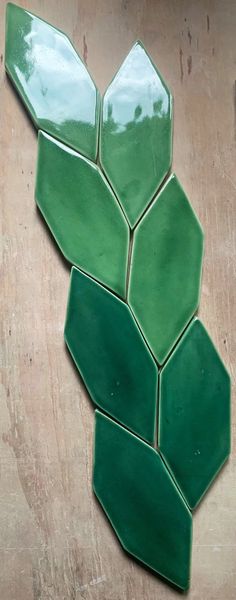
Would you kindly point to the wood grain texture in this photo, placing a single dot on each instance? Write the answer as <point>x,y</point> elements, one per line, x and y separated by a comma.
<point>55,542</point>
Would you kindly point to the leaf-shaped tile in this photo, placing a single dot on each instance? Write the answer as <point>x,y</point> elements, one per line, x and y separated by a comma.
<point>82,213</point>
<point>142,502</point>
<point>166,268</point>
<point>52,80</point>
<point>136,132</point>
<point>194,419</point>
<point>111,355</point>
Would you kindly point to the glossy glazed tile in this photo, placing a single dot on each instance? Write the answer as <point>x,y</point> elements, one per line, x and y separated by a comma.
<point>136,132</point>
<point>194,419</point>
<point>111,355</point>
<point>166,268</point>
<point>52,80</point>
<point>141,501</point>
<point>82,213</point>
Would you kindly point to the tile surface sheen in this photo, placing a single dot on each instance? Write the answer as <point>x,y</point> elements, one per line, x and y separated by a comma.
<point>52,80</point>
<point>136,132</point>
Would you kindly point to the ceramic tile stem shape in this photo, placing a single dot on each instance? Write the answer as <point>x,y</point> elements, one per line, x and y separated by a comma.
<point>127,307</point>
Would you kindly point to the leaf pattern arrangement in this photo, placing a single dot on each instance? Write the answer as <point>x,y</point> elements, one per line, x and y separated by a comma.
<point>123,221</point>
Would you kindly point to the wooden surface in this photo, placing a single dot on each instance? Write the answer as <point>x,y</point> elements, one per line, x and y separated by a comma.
<point>55,542</point>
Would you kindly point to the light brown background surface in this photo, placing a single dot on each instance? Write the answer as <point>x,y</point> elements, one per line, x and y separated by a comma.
<point>55,542</point>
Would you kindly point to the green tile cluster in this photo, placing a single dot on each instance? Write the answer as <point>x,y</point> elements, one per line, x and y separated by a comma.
<point>125,225</point>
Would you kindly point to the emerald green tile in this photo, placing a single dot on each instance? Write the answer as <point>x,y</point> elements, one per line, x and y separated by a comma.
<point>51,80</point>
<point>82,213</point>
<point>143,504</point>
<point>194,419</point>
<point>136,132</point>
<point>166,268</point>
<point>111,355</point>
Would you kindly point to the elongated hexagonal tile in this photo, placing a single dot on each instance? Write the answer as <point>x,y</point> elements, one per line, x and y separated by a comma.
<point>52,80</point>
<point>166,268</point>
<point>136,132</point>
<point>143,504</point>
<point>111,355</point>
<point>194,419</point>
<point>82,213</point>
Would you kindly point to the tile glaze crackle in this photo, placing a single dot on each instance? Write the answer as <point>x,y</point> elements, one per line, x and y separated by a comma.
<point>52,80</point>
<point>118,336</point>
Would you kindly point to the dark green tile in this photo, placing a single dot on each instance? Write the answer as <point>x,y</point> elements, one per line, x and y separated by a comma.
<point>52,80</point>
<point>194,419</point>
<point>111,355</point>
<point>82,213</point>
<point>136,132</point>
<point>142,502</point>
<point>166,268</point>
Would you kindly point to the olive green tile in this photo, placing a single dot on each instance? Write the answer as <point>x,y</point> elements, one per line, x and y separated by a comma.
<point>194,419</point>
<point>111,355</point>
<point>136,132</point>
<point>51,80</point>
<point>166,268</point>
<point>82,213</point>
<point>142,502</point>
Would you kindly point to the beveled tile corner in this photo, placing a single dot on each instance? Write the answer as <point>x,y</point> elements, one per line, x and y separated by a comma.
<point>136,132</point>
<point>111,355</point>
<point>194,413</point>
<point>52,80</point>
<point>142,502</point>
<point>82,213</point>
<point>165,272</point>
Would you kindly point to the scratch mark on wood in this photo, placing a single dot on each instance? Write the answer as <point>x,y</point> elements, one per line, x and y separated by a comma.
<point>189,37</point>
<point>234,101</point>
<point>189,63</point>
<point>181,65</point>
<point>85,50</point>
<point>208,23</point>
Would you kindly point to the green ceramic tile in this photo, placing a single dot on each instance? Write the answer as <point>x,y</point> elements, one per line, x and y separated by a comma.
<point>111,355</point>
<point>141,501</point>
<point>166,268</point>
<point>194,419</point>
<point>82,213</point>
<point>136,132</point>
<point>52,80</point>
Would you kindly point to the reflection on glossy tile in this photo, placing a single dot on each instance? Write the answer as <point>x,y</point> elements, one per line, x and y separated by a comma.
<point>136,132</point>
<point>194,419</point>
<point>52,80</point>
<point>111,355</point>
<point>166,268</point>
<point>82,213</point>
<point>141,501</point>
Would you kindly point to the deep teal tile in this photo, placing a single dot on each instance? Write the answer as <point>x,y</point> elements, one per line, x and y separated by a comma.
<point>52,80</point>
<point>142,502</point>
<point>194,419</point>
<point>136,132</point>
<point>82,213</point>
<point>166,268</point>
<point>111,355</point>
